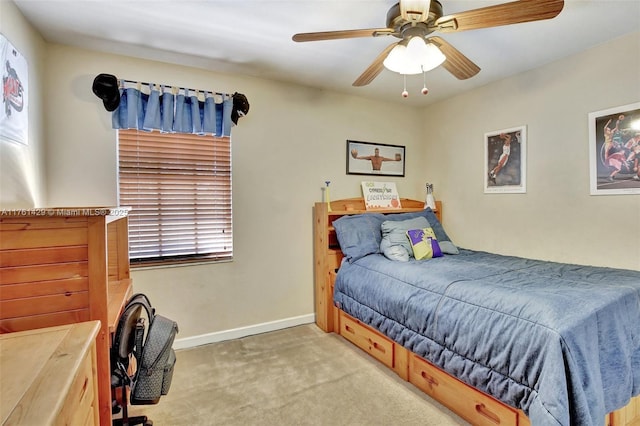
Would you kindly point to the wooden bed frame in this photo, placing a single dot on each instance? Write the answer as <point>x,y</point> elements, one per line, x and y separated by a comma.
<point>469,403</point>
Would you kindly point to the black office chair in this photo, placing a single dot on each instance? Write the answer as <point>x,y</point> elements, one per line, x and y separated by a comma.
<point>127,344</point>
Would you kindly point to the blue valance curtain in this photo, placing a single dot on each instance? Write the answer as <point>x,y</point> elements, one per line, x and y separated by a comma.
<point>172,110</point>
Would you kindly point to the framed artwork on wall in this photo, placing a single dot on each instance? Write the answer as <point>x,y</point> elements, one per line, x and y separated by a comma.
<point>505,161</point>
<point>14,114</point>
<point>366,158</point>
<point>614,150</point>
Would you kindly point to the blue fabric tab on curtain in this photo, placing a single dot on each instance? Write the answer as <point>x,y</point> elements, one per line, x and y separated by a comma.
<point>119,114</point>
<point>219,118</point>
<point>209,115</point>
<point>196,118</point>
<point>152,119</point>
<point>227,107</point>
<point>181,113</point>
<point>179,120</point>
<point>167,112</point>
<point>130,112</point>
<point>135,110</point>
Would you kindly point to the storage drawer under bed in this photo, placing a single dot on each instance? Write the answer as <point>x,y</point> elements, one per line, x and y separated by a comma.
<point>378,346</point>
<point>469,403</point>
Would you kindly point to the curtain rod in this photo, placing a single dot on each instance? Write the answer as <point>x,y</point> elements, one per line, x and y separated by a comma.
<point>173,87</point>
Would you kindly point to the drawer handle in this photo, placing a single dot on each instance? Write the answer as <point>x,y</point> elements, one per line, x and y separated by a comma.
<point>349,329</point>
<point>432,382</point>
<point>377,346</point>
<point>84,388</point>
<point>484,411</point>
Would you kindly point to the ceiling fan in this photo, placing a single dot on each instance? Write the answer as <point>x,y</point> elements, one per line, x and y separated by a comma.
<point>411,19</point>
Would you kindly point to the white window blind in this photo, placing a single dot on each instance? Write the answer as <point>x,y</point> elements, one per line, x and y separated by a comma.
<point>179,189</point>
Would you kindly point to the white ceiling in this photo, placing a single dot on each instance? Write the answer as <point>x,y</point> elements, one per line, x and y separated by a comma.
<point>253,37</point>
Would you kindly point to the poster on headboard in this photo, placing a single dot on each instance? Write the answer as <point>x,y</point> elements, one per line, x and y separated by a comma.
<point>380,196</point>
<point>14,123</point>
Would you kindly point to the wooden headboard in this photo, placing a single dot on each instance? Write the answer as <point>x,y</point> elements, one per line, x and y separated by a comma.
<point>327,253</point>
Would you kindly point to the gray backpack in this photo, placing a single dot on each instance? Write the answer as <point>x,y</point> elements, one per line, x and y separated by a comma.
<point>152,339</point>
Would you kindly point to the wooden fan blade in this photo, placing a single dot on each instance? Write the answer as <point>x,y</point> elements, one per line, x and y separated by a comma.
<point>502,14</point>
<point>335,35</point>
<point>457,64</point>
<point>375,68</point>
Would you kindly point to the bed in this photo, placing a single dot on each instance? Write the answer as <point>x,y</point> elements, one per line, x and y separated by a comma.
<point>498,339</point>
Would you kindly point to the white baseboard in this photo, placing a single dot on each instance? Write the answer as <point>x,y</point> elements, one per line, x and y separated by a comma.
<point>236,333</point>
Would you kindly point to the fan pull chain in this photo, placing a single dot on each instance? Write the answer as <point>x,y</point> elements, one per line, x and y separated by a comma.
<point>424,91</point>
<point>405,94</point>
<point>424,83</point>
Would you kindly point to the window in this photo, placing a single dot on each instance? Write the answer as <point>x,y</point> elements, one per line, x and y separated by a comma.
<point>179,189</point>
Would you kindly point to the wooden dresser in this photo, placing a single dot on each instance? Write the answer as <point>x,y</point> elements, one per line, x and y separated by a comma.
<point>65,266</point>
<point>49,376</point>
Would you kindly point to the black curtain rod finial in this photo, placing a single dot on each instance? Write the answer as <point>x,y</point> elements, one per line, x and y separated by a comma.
<point>240,107</point>
<point>105,86</point>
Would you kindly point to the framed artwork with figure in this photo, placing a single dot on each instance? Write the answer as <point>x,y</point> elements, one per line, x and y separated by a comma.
<point>14,113</point>
<point>366,158</point>
<point>505,155</point>
<point>614,150</point>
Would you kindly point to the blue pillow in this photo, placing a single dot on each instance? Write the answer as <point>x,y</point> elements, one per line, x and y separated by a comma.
<point>394,235</point>
<point>446,245</point>
<point>397,253</point>
<point>359,235</point>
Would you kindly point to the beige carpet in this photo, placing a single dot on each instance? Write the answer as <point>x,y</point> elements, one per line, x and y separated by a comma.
<point>297,376</point>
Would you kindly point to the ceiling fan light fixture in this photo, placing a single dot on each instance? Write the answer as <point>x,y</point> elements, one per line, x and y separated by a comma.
<point>416,46</point>
<point>431,57</point>
<point>397,60</point>
<point>414,58</point>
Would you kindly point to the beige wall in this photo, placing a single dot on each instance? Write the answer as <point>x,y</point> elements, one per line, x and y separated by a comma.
<point>557,218</point>
<point>294,139</point>
<point>22,168</point>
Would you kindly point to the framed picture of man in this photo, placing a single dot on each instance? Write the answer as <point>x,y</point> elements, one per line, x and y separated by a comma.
<point>366,158</point>
<point>505,153</point>
<point>614,150</point>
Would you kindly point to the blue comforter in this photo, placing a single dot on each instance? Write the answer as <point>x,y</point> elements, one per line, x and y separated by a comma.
<point>561,342</point>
